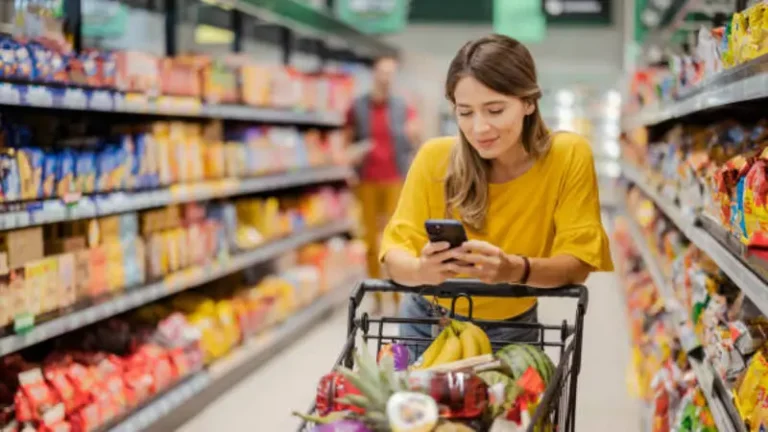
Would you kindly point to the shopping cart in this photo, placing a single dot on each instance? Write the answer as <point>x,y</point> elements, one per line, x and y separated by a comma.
<point>558,404</point>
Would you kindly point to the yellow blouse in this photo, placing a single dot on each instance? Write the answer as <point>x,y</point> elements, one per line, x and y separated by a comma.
<point>553,209</point>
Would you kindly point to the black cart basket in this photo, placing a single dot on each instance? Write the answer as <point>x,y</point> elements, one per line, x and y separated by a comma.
<point>558,404</point>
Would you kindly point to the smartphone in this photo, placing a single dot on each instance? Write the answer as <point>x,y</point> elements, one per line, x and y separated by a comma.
<point>446,230</point>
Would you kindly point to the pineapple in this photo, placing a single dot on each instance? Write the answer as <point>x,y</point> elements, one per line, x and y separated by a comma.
<point>376,383</point>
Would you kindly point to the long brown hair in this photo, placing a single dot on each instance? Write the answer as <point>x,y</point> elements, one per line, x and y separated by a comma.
<point>505,66</point>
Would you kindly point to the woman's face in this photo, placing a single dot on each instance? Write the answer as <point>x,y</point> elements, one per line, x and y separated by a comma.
<point>492,122</point>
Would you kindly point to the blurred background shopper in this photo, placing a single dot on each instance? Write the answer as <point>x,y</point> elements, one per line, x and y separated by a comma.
<point>383,129</point>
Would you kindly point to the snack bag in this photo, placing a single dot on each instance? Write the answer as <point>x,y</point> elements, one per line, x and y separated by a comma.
<point>11,178</point>
<point>752,387</point>
<point>65,173</point>
<point>85,171</point>
<point>50,169</point>
<point>30,164</point>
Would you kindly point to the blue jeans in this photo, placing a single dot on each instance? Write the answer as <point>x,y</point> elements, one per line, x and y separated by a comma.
<point>416,306</point>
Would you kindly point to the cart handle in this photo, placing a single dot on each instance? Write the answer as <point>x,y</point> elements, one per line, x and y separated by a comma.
<point>454,287</point>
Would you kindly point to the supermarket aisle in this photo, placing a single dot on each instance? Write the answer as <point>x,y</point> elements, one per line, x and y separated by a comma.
<point>265,399</point>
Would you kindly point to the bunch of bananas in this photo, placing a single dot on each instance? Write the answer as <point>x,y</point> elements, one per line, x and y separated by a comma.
<point>459,340</point>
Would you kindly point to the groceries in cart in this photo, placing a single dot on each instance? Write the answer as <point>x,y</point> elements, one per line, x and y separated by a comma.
<point>458,384</point>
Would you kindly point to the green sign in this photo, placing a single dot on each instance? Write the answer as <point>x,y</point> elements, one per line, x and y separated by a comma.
<point>520,19</point>
<point>104,19</point>
<point>374,16</point>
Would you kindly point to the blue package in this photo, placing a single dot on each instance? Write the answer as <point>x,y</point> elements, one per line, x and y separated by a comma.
<point>85,172</point>
<point>145,168</point>
<point>11,180</point>
<point>126,159</point>
<point>7,57</point>
<point>23,62</point>
<point>50,171</point>
<point>104,164</point>
<point>41,63</point>
<point>65,175</point>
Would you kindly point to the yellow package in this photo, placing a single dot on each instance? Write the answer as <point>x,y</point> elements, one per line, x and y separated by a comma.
<point>115,267</point>
<point>164,153</point>
<point>751,386</point>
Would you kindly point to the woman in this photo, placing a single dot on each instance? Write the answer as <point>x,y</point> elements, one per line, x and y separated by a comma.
<point>527,198</point>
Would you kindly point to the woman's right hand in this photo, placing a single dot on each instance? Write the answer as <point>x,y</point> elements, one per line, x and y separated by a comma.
<point>433,268</point>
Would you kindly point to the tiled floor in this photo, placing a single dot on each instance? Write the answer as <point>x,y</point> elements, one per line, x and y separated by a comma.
<point>264,401</point>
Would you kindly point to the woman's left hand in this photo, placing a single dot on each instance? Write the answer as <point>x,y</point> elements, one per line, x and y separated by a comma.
<point>490,264</point>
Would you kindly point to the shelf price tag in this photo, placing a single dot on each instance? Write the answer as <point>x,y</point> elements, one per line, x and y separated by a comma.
<point>135,102</point>
<point>22,323</point>
<point>74,98</point>
<point>38,96</point>
<point>10,94</point>
<point>101,100</point>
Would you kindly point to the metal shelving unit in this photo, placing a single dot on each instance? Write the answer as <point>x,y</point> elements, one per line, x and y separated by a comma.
<point>54,210</point>
<point>201,388</point>
<point>172,284</point>
<point>109,101</point>
<point>739,84</point>
<point>740,273</point>
<point>723,410</point>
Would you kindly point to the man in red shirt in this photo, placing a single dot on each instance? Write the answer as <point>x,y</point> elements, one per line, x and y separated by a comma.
<point>383,129</point>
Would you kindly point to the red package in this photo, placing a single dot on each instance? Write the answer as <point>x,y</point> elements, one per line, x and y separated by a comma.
<point>115,388</point>
<point>66,392</point>
<point>86,419</point>
<point>180,78</point>
<point>39,395</point>
<point>53,417</point>
<point>62,426</point>
<point>140,382</point>
<point>82,378</point>
<point>24,411</point>
<point>179,362</point>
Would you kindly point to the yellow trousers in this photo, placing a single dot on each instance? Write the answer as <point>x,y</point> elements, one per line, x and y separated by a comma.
<point>377,201</point>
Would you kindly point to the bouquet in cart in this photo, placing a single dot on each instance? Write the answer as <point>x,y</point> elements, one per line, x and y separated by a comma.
<point>458,384</point>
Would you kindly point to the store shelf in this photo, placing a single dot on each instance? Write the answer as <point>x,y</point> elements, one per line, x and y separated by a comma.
<point>252,354</point>
<point>738,271</point>
<point>51,211</point>
<point>723,411</point>
<point>172,284</point>
<point>110,101</point>
<point>164,404</point>
<point>742,83</point>
<point>304,18</point>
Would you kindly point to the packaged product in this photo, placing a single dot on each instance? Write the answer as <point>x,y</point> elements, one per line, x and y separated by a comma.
<point>220,82</point>
<point>65,174</point>
<point>214,156</point>
<point>166,156</point>
<point>180,78</point>
<point>85,172</point>
<point>108,65</point>
<point>754,198</point>
<point>50,169</point>
<point>255,85</point>
<point>30,164</point>
<point>137,72</point>
<point>97,271</point>
<point>7,56</point>
<point>85,68</point>
<point>11,177</point>
<point>38,397</point>
<point>751,386</point>
<point>24,66</point>
<point>146,169</point>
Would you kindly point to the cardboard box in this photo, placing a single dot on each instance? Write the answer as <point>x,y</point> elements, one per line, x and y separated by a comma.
<point>21,246</point>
